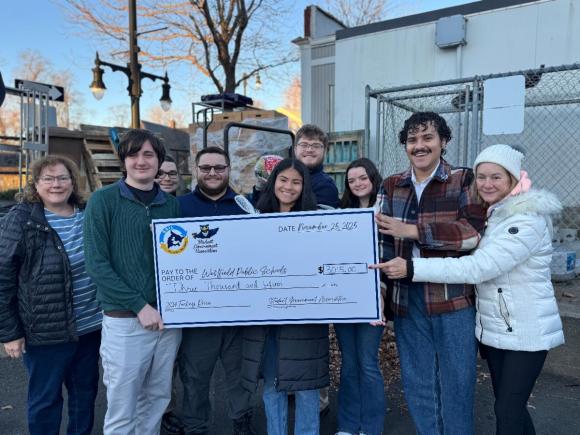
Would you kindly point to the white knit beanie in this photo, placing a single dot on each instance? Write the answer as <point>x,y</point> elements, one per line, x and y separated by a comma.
<point>504,155</point>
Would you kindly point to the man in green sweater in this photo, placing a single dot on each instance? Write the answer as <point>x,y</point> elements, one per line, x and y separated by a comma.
<point>137,352</point>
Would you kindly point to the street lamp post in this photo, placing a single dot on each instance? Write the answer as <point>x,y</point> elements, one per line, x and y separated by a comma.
<point>133,73</point>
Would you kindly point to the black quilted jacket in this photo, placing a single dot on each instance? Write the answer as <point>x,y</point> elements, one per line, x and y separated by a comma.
<point>302,358</point>
<point>35,280</point>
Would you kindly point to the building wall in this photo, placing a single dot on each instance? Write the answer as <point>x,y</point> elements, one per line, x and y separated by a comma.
<point>510,39</point>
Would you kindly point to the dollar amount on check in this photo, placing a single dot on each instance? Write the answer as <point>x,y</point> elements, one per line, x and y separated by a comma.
<point>280,268</point>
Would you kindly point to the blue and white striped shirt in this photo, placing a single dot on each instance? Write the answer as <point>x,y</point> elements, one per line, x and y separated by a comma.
<point>87,312</point>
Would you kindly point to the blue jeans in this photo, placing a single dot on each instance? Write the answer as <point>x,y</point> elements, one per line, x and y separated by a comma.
<point>438,365</point>
<point>361,397</point>
<point>307,421</point>
<point>76,365</point>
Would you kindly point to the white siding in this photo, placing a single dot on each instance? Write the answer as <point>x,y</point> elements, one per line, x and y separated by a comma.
<point>501,40</point>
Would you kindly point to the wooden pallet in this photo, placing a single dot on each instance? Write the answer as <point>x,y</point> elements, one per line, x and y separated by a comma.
<point>102,163</point>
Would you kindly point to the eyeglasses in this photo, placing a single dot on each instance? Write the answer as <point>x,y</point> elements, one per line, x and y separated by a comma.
<point>316,146</point>
<point>50,179</point>
<point>218,169</point>
<point>170,174</point>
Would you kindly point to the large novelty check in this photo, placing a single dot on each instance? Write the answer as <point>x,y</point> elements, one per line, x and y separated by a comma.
<point>281,268</point>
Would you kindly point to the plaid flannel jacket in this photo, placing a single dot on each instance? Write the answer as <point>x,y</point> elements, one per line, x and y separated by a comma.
<point>449,225</point>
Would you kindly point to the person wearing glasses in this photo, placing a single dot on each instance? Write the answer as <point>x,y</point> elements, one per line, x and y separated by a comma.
<point>168,176</point>
<point>168,180</point>
<point>310,148</point>
<point>202,347</point>
<point>49,313</point>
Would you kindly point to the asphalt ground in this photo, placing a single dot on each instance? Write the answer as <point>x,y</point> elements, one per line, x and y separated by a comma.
<point>554,405</point>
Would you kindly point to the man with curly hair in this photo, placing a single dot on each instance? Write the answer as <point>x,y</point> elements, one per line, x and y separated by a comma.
<point>427,211</point>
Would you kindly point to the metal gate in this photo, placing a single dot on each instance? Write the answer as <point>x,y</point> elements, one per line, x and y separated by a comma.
<point>549,139</point>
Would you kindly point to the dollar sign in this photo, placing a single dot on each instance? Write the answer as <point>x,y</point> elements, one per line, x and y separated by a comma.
<point>320,269</point>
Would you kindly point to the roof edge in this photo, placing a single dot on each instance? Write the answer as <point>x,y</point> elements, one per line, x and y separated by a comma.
<point>428,17</point>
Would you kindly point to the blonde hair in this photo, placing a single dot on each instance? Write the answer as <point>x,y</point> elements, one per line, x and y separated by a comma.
<point>30,194</point>
<point>473,189</point>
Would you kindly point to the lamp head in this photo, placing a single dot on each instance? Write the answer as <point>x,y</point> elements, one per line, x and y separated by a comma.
<point>97,86</point>
<point>165,99</point>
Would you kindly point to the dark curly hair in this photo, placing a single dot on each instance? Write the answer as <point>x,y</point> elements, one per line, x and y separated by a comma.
<point>349,200</point>
<point>268,203</point>
<point>421,120</point>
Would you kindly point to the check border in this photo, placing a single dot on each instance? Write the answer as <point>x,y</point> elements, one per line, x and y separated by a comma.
<point>377,290</point>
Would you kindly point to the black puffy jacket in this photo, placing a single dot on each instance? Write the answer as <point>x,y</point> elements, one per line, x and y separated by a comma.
<point>35,280</point>
<point>302,356</point>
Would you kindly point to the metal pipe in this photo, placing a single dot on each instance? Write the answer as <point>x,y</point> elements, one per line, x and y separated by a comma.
<point>553,103</point>
<point>475,117</point>
<point>459,61</point>
<point>378,145</point>
<point>367,137</point>
<point>401,106</point>
<point>46,136</point>
<point>426,94</point>
<point>466,127</point>
<point>374,92</point>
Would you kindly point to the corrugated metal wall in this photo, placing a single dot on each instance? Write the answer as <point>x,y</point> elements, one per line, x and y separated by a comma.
<point>322,51</point>
<point>322,86</point>
<point>322,89</point>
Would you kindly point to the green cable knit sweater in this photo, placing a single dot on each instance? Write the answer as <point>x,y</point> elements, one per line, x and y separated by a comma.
<point>119,245</point>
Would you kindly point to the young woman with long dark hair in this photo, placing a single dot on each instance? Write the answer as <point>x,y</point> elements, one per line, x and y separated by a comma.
<point>290,358</point>
<point>361,396</point>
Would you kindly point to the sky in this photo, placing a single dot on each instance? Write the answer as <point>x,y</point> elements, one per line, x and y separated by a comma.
<point>42,25</point>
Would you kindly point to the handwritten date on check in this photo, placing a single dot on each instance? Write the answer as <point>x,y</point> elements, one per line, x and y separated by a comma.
<point>280,268</point>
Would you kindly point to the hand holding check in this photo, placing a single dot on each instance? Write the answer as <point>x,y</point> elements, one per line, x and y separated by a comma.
<point>394,227</point>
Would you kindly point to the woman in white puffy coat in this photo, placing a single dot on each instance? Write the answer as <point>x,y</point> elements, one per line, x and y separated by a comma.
<point>517,319</point>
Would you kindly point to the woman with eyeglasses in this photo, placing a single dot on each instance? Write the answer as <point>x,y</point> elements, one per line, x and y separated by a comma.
<point>168,176</point>
<point>290,358</point>
<point>168,180</point>
<point>49,314</point>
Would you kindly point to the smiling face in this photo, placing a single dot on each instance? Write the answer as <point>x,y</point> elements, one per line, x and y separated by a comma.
<point>493,182</point>
<point>424,147</point>
<point>168,177</point>
<point>359,183</point>
<point>287,188</point>
<point>142,167</point>
<point>212,174</point>
<point>309,151</point>
<point>54,186</point>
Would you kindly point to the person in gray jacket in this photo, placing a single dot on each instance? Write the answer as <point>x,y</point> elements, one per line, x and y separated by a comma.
<point>517,319</point>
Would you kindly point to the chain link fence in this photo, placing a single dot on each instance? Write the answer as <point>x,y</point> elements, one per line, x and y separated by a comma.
<point>549,138</point>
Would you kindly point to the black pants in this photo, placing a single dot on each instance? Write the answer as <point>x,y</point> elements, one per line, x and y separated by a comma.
<point>199,352</point>
<point>513,375</point>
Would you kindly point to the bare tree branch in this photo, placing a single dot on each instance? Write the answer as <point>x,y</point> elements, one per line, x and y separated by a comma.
<point>360,12</point>
<point>217,37</point>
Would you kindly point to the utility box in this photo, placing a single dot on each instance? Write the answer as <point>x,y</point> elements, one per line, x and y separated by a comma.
<point>451,31</point>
